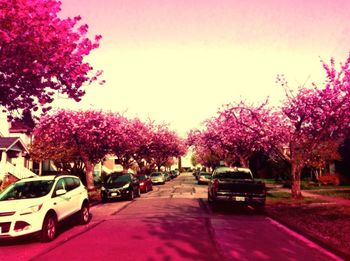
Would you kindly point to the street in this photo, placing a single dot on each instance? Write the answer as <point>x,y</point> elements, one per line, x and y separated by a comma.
<point>173,222</point>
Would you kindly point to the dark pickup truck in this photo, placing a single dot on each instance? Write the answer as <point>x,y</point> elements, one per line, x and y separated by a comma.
<point>236,185</point>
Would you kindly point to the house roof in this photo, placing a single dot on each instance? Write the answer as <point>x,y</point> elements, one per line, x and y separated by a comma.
<point>12,143</point>
<point>19,126</point>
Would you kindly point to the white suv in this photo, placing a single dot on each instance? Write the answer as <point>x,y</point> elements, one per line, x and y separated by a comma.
<point>38,204</point>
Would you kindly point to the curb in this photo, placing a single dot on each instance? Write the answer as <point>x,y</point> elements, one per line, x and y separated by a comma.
<point>312,238</point>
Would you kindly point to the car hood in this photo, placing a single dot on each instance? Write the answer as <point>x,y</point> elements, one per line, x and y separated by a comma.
<point>157,177</point>
<point>116,185</point>
<point>19,204</point>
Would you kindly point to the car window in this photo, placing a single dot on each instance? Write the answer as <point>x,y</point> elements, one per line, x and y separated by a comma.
<point>118,178</point>
<point>60,185</point>
<point>234,175</point>
<point>25,190</point>
<point>156,174</point>
<point>70,184</point>
<point>77,182</point>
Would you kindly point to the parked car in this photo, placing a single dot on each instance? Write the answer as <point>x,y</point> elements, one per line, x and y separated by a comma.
<point>157,178</point>
<point>166,176</point>
<point>204,177</point>
<point>37,205</point>
<point>174,173</point>
<point>145,183</point>
<point>236,185</point>
<point>120,185</point>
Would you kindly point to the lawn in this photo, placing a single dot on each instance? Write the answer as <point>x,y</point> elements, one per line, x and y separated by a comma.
<point>285,198</point>
<point>326,223</point>
<point>335,193</point>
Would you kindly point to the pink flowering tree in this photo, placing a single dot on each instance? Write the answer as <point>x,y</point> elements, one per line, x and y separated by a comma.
<point>84,133</point>
<point>225,138</point>
<point>129,141</point>
<point>41,55</point>
<point>165,144</point>
<point>206,146</point>
<point>240,141</point>
<point>305,121</point>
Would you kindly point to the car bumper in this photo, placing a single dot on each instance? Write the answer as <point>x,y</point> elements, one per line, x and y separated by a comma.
<point>158,181</point>
<point>244,199</point>
<point>115,194</point>
<point>20,225</point>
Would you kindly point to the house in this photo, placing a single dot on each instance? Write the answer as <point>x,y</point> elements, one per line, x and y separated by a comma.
<point>14,161</point>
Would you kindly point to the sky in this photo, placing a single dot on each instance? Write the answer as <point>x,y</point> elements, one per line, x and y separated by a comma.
<point>179,61</point>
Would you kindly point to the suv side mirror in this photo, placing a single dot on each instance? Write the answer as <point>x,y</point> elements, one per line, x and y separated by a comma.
<point>61,192</point>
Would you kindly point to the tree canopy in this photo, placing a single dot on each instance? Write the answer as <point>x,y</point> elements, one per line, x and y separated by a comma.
<point>41,55</point>
<point>69,137</point>
<point>296,132</point>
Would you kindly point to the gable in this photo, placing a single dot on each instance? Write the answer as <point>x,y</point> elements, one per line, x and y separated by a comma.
<point>12,143</point>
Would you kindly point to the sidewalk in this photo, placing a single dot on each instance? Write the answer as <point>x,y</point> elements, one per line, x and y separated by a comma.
<point>335,200</point>
<point>308,193</point>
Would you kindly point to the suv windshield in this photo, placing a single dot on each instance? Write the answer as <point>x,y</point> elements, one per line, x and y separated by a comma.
<point>234,175</point>
<point>118,179</point>
<point>28,189</point>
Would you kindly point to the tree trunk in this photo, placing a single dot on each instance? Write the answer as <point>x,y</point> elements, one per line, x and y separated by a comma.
<point>89,168</point>
<point>244,162</point>
<point>296,174</point>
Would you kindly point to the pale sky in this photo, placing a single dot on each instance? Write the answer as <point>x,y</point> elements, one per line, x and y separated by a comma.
<point>178,61</point>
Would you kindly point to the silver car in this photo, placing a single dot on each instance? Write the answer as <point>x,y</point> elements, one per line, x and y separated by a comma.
<point>157,178</point>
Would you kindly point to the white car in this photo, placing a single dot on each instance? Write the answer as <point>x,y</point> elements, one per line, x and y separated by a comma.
<point>38,204</point>
<point>157,177</point>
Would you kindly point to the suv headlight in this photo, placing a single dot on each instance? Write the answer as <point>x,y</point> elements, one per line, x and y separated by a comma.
<point>31,210</point>
<point>103,188</point>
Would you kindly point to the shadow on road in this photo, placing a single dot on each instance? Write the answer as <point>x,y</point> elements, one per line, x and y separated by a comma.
<point>63,227</point>
<point>232,209</point>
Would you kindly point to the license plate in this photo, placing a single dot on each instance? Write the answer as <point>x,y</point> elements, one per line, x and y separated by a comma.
<point>239,198</point>
<point>0,229</point>
<point>114,194</point>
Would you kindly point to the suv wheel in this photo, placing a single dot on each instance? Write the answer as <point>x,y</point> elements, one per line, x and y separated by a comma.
<point>49,229</point>
<point>84,214</point>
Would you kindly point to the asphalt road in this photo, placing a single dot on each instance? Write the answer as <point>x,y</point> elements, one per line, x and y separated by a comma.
<point>173,222</point>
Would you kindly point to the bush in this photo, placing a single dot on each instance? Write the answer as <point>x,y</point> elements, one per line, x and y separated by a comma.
<point>332,179</point>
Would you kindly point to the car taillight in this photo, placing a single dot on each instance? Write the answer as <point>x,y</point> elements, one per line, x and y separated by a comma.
<point>142,183</point>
